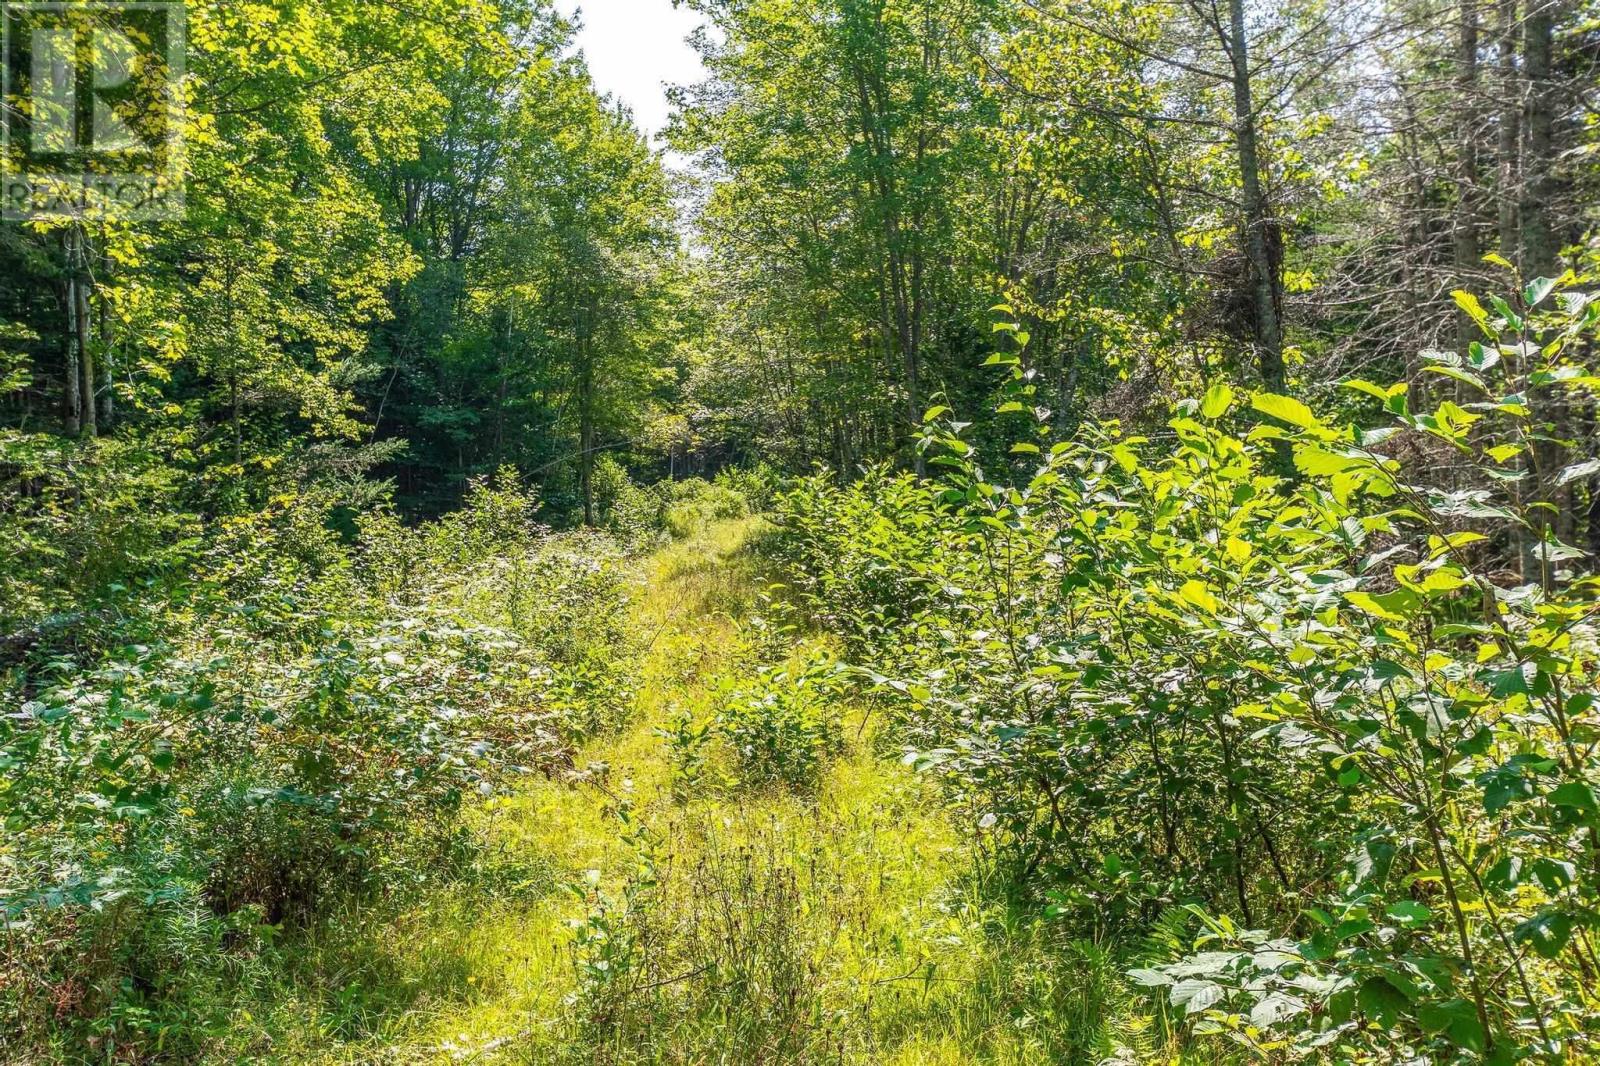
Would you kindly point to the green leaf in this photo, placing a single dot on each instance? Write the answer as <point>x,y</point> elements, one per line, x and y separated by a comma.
<point>1553,874</point>
<point>1503,787</point>
<point>1276,1008</point>
<point>1502,452</point>
<point>1459,375</point>
<point>1381,1001</point>
<point>1219,398</point>
<point>1477,744</point>
<point>1578,470</point>
<point>1538,289</point>
<point>1196,593</point>
<point>1288,409</point>
<point>1408,913</point>
<point>1436,1017</point>
<point>1150,978</point>
<point>1507,683</point>
<point>1367,387</point>
<point>1505,874</point>
<point>1474,310</point>
<point>1546,932</point>
<point>1320,462</point>
<point>1383,607</point>
<point>1195,995</point>
<point>1574,794</point>
<point>1455,1018</point>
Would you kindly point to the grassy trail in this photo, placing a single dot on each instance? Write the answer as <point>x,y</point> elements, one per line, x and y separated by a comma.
<point>828,928</point>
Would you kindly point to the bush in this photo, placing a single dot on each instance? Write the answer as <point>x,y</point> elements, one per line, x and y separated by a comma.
<point>785,726</point>
<point>692,505</point>
<point>757,484</point>
<point>304,729</point>
<point>1310,705</point>
<point>78,521</point>
<point>636,514</point>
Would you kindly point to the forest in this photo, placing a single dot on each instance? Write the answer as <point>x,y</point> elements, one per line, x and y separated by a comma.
<point>1015,532</point>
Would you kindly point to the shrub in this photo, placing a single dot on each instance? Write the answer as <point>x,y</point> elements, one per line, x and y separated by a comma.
<point>785,726</point>
<point>695,504</point>
<point>78,521</point>
<point>757,484</point>
<point>304,729</point>
<point>636,514</point>
<point>1313,706</point>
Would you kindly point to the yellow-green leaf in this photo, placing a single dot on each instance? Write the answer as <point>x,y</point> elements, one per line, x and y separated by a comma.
<point>1219,398</point>
<point>1288,409</point>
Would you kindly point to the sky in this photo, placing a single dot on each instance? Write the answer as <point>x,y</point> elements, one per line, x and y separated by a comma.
<point>634,48</point>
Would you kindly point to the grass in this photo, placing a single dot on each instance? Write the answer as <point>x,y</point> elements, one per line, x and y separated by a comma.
<point>725,926</point>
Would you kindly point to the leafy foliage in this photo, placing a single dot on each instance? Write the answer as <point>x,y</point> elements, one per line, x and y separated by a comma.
<point>1169,674</point>
<point>786,725</point>
<point>301,725</point>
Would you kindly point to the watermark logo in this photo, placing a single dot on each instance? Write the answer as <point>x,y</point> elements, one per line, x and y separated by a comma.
<point>92,101</point>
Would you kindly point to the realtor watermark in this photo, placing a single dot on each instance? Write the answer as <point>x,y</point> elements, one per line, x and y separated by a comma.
<point>92,102</point>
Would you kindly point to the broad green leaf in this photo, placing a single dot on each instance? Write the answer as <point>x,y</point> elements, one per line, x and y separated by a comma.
<point>1319,462</point>
<point>1218,399</point>
<point>1367,387</point>
<point>1374,606</point>
<point>1546,932</point>
<point>1500,453</point>
<point>1288,409</point>
<point>1195,995</point>
<point>1276,1008</point>
<point>1459,375</point>
<point>1150,978</point>
<point>1382,1001</point>
<point>1408,913</point>
<point>1538,289</point>
<point>1574,794</point>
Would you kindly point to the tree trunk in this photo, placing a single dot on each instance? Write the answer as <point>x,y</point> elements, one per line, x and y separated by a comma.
<point>586,398</point>
<point>236,417</point>
<point>1266,286</point>
<point>1510,132</point>
<point>72,414</point>
<point>1539,245</point>
<point>1592,443</point>
<point>1467,195</point>
<point>502,342</point>
<point>91,425</point>
<point>108,396</point>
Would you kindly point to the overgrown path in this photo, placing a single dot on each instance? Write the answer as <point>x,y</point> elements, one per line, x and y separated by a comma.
<point>718,924</point>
